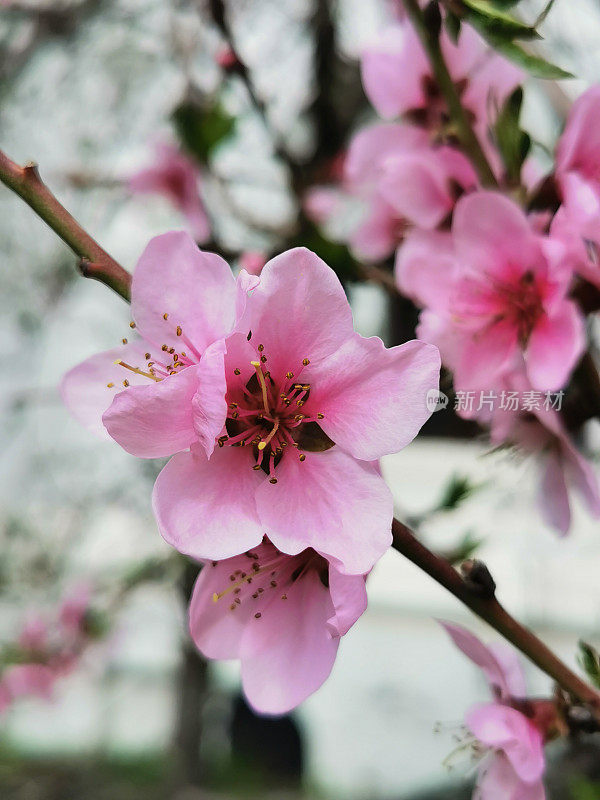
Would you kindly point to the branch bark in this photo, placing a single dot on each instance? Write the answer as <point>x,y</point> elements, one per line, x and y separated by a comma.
<point>486,606</point>
<point>95,262</point>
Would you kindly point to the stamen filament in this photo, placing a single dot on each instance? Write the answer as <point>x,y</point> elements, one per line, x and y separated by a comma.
<point>137,370</point>
<point>263,385</point>
<point>265,442</point>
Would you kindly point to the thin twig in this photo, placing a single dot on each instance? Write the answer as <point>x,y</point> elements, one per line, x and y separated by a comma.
<point>95,262</point>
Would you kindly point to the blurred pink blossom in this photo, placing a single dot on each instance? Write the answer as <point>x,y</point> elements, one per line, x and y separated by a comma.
<point>252,262</point>
<point>512,743</point>
<point>577,222</point>
<point>398,79</point>
<point>401,179</point>
<point>563,468</point>
<point>177,177</point>
<point>495,294</point>
<point>47,649</point>
<point>281,615</point>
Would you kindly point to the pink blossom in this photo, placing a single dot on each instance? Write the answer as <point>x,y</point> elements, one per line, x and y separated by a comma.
<point>563,468</point>
<point>398,164</point>
<point>401,179</point>
<point>25,680</point>
<point>252,262</point>
<point>282,616</point>
<point>177,177</point>
<point>226,58</point>
<point>398,79</point>
<point>73,610</point>
<point>577,222</point>
<point>34,635</point>
<point>514,744</point>
<point>495,294</point>
<point>306,402</point>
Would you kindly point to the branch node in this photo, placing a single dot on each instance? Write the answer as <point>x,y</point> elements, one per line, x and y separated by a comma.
<point>31,168</point>
<point>478,579</point>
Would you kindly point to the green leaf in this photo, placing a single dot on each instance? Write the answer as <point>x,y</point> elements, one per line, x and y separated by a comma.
<point>543,13</point>
<point>457,490</point>
<point>512,142</point>
<point>583,789</point>
<point>536,66</point>
<point>201,129</point>
<point>491,21</point>
<point>589,659</point>
<point>465,548</point>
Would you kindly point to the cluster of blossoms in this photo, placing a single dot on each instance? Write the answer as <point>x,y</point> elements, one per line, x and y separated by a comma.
<point>275,413</point>
<point>496,283</point>
<point>46,650</point>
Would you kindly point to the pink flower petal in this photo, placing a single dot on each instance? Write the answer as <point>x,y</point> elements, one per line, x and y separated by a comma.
<point>553,494</point>
<point>85,390</point>
<point>331,502</point>
<point>414,185</point>
<point>209,404</point>
<point>299,310</point>
<point>426,268</point>
<point>491,233</point>
<point>498,781</point>
<point>501,669</point>
<point>392,70</point>
<point>579,147</point>
<point>485,356</point>
<point>349,596</point>
<point>200,508</point>
<point>378,233</point>
<point>195,289</point>
<point>372,146</point>
<point>216,628</point>
<point>156,419</point>
<point>288,652</point>
<point>555,346</point>
<point>506,729</point>
<point>374,398</point>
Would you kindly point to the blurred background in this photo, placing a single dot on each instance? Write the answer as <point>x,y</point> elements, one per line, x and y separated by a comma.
<point>88,89</point>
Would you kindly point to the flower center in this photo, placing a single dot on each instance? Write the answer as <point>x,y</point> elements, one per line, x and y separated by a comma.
<point>523,305</point>
<point>268,572</point>
<point>272,416</point>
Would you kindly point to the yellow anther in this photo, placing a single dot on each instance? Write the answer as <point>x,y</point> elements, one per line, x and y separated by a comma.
<point>124,341</point>
<point>165,316</point>
<point>305,362</point>
<point>132,325</point>
<point>179,331</point>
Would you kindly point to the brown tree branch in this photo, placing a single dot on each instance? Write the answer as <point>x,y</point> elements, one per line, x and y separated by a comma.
<point>485,605</point>
<point>95,262</point>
